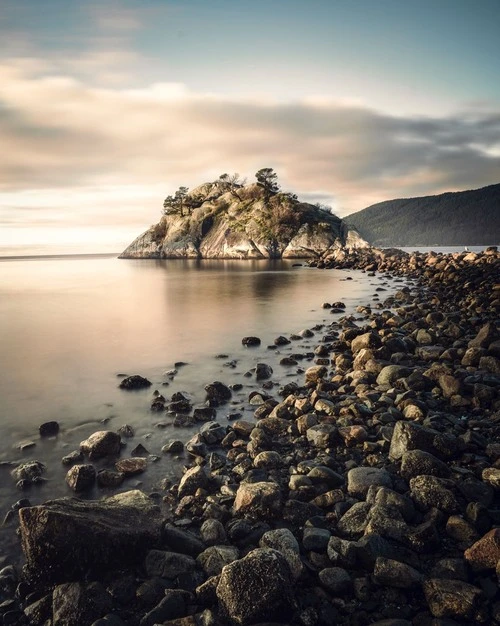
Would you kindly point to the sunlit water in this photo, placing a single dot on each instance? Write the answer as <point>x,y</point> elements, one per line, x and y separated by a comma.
<point>69,326</point>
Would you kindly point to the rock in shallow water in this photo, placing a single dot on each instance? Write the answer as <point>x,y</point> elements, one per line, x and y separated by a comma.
<point>68,538</point>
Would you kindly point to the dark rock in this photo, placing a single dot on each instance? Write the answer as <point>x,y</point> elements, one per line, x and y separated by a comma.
<point>195,478</point>
<point>173,605</point>
<point>256,588</point>
<point>174,446</point>
<point>109,479</point>
<point>98,535</point>
<point>183,541</point>
<point>218,393</point>
<point>79,603</point>
<point>250,341</point>
<point>135,382</point>
<point>214,558</point>
<point>49,429</point>
<point>263,371</point>
<point>168,564</point>
<point>205,414</point>
<point>81,477</point>
<point>416,462</point>
<point>28,471</point>
<point>485,553</point>
<point>73,457</point>
<point>455,599</point>
<point>336,580</point>
<point>395,574</point>
<point>283,540</point>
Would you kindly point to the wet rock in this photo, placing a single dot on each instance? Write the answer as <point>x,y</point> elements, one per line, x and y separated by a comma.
<point>174,446</point>
<point>250,341</point>
<point>101,444</point>
<point>28,471</point>
<point>256,588</point>
<point>263,371</point>
<point>81,477</point>
<point>261,500</point>
<point>126,431</point>
<point>49,429</point>
<point>218,393</point>
<point>109,479</point>
<point>131,466</point>
<point>135,382</point>
<point>205,414</point>
<point>73,457</point>
<point>98,535</point>
<point>454,599</point>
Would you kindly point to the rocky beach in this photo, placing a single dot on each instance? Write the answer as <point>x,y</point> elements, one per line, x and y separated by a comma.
<point>366,494</point>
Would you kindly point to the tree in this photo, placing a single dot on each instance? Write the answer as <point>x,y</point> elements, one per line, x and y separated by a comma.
<point>231,183</point>
<point>268,179</point>
<point>176,203</point>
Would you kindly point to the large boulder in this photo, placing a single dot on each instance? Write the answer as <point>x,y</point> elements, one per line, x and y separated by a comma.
<point>256,588</point>
<point>69,538</point>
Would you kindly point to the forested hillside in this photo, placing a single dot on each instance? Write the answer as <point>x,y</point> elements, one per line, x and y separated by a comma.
<point>450,219</point>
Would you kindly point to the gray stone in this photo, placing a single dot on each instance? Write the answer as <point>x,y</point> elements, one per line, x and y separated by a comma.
<point>416,462</point>
<point>360,479</point>
<point>336,579</point>
<point>286,544</point>
<point>316,539</point>
<point>194,479</point>
<point>256,588</point>
<point>214,558</point>
<point>322,435</point>
<point>430,491</point>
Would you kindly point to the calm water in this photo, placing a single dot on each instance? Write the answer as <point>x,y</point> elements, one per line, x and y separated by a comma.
<point>69,326</point>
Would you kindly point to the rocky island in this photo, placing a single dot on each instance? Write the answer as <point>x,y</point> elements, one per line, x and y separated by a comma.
<point>228,219</point>
<point>368,494</point>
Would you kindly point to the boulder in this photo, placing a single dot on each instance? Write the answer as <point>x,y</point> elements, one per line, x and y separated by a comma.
<point>256,588</point>
<point>485,553</point>
<point>283,540</point>
<point>360,479</point>
<point>81,477</point>
<point>455,599</point>
<point>261,500</point>
<point>101,444</point>
<point>135,382</point>
<point>68,538</point>
<point>217,393</point>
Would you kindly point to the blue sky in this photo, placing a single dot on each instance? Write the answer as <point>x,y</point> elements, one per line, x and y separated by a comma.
<point>107,107</point>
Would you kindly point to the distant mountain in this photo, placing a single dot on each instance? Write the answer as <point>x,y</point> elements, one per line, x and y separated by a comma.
<point>449,219</point>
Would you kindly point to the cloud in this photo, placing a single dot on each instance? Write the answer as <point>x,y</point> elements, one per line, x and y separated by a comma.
<point>61,134</point>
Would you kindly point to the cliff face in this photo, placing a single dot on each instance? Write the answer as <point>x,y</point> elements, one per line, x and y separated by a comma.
<point>243,224</point>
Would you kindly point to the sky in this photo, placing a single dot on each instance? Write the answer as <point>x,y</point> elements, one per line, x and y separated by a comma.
<point>107,107</point>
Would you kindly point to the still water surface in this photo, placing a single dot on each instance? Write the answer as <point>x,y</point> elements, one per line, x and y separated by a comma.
<point>69,326</point>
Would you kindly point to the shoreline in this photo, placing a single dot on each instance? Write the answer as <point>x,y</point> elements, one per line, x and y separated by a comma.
<point>327,491</point>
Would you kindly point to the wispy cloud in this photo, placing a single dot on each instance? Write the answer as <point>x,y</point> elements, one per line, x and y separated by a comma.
<point>60,133</point>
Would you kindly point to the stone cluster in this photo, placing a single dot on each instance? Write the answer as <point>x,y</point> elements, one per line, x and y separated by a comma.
<point>367,495</point>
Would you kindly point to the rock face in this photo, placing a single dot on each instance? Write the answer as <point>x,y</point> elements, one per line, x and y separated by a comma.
<point>68,538</point>
<point>249,225</point>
